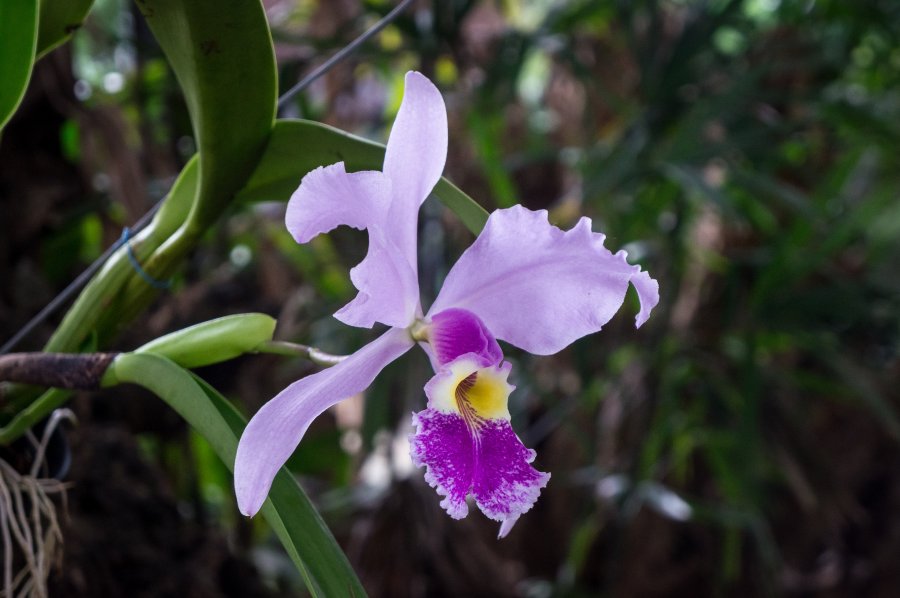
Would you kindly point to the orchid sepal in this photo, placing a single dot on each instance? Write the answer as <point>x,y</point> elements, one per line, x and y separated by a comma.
<point>541,288</point>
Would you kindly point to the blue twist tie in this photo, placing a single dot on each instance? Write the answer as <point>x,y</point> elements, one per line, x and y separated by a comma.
<point>153,282</point>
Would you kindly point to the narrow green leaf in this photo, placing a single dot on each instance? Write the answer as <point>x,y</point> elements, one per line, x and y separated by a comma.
<point>298,146</point>
<point>213,341</point>
<point>33,413</point>
<point>465,208</point>
<point>691,181</point>
<point>18,35</point>
<point>58,20</point>
<point>117,293</point>
<point>487,127</point>
<point>290,513</point>
<point>857,379</point>
<point>222,54</point>
<point>288,510</point>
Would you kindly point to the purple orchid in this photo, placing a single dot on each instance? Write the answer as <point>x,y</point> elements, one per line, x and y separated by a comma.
<point>522,281</point>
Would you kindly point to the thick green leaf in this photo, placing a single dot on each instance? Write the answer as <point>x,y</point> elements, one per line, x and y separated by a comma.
<point>290,513</point>
<point>213,341</point>
<point>223,57</point>
<point>288,510</point>
<point>222,54</point>
<point>18,35</point>
<point>104,305</point>
<point>59,19</point>
<point>298,146</point>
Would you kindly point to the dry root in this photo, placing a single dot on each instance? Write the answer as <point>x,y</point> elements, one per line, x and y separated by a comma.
<point>29,527</point>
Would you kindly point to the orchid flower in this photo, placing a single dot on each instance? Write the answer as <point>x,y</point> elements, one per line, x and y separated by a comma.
<point>522,281</point>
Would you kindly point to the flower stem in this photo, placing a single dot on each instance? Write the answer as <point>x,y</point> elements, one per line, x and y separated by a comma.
<point>316,356</point>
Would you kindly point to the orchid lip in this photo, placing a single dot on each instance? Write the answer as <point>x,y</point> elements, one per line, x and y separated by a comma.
<point>468,447</point>
<point>473,392</point>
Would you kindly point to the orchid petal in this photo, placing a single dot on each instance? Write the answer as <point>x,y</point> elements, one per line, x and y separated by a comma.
<point>540,288</point>
<point>276,429</point>
<point>329,197</point>
<point>414,158</point>
<point>506,527</point>
<point>388,289</point>
<point>455,332</point>
<point>443,444</point>
<point>467,445</point>
<point>648,296</point>
<point>490,463</point>
<point>466,388</point>
<point>505,484</point>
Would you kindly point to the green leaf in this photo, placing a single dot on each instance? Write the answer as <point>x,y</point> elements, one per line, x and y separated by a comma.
<point>299,146</point>
<point>58,20</point>
<point>222,54</point>
<point>288,510</point>
<point>213,341</point>
<point>117,293</point>
<point>33,413</point>
<point>487,127</point>
<point>223,57</point>
<point>18,35</point>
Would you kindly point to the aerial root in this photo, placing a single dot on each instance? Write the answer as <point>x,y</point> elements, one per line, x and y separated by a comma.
<point>29,525</point>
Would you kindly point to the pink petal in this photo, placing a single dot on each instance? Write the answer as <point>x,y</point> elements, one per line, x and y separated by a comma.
<point>329,197</point>
<point>540,288</point>
<point>468,447</point>
<point>276,429</point>
<point>487,461</point>
<point>455,332</point>
<point>388,288</point>
<point>443,444</point>
<point>506,527</point>
<point>648,294</point>
<point>505,485</point>
<point>414,158</point>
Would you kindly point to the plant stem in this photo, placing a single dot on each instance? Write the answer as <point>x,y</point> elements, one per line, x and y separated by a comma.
<point>316,356</point>
<point>60,370</point>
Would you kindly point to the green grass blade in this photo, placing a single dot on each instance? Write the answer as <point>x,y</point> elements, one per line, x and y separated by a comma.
<point>288,510</point>
<point>298,146</point>
<point>18,36</point>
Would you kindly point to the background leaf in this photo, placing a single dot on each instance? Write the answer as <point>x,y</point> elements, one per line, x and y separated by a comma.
<point>58,20</point>
<point>18,35</point>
